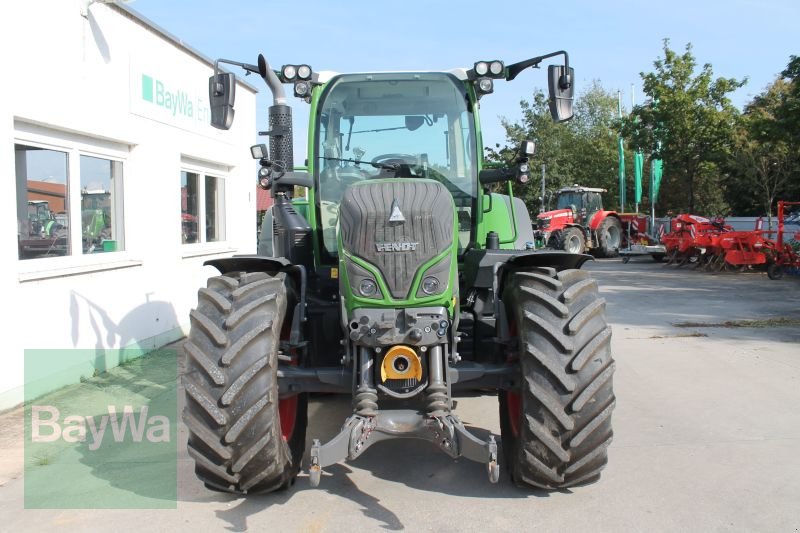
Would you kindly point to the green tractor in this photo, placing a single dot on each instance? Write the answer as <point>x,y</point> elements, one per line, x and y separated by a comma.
<point>401,281</point>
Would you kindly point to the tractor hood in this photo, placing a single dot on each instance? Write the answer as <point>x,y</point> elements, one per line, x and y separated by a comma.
<point>397,233</point>
<point>554,213</point>
<point>561,215</point>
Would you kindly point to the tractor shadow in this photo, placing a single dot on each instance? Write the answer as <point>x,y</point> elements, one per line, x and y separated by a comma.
<point>415,463</point>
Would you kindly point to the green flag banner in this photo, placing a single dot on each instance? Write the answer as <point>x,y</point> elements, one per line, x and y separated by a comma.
<point>638,165</point>
<point>656,170</point>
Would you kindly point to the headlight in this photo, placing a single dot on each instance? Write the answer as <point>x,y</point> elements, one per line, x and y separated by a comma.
<point>304,72</point>
<point>367,287</point>
<point>301,89</point>
<point>289,72</point>
<point>481,68</point>
<point>259,151</point>
<point>485,85</point>
<point>496,68</point>
<point>430,285</point>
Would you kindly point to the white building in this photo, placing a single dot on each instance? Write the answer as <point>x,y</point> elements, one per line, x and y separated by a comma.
<point>121,188</point>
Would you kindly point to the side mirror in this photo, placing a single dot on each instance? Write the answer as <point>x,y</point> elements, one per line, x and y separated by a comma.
<point>221,95</point>
<point>560,82</point>
<point>413,122</point>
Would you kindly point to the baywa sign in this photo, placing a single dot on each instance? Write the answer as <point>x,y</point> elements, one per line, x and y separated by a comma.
<point>47,426</point>
<point>178,99</point>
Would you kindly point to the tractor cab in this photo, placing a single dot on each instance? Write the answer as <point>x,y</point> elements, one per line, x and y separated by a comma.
<point>394,126</point>
<point>576,205</point>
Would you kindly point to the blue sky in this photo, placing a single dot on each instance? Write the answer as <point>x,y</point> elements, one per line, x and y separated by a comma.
<point>607,41</point>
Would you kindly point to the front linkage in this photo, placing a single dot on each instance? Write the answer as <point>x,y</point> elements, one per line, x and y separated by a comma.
<point>360,432</point>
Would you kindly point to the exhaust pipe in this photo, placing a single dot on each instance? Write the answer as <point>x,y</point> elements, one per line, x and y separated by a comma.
<point>281,147</point>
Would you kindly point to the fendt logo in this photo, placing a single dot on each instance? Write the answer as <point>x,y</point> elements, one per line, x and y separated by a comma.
<point>396,246</point>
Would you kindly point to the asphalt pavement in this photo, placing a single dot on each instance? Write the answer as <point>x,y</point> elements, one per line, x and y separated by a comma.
<point>707,436</point>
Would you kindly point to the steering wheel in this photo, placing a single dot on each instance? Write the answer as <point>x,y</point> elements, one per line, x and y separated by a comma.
<point>394,159</point>
<point>401,162</point>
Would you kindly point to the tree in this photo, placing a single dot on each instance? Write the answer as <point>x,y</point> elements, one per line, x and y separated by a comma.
<point>787,112</point>
<point>764,154</point>
<point>688,123</point>
<point>581,151</point>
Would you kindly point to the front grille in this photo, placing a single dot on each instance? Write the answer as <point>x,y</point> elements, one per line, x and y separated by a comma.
<point>427,207</point>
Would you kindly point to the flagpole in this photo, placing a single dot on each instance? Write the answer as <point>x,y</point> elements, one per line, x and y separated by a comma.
<point>621,158</point>
<point>635,162</point>
<point>652,203</point>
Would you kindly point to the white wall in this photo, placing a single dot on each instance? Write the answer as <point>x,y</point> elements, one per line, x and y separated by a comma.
<point>76,80</point>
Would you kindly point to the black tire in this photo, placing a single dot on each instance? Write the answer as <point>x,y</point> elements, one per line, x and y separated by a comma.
<point>774,271</point>
<point>658,258</point>
<point>609,237</point>
<point>558,434</point>
<point>571,240</point>
<point>231,387</point>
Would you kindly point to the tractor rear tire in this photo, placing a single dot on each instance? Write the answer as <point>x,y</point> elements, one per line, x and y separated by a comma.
<point>571,240</point>
<point>237,438</point>
<point>557,428</point>
<point>609,237</point>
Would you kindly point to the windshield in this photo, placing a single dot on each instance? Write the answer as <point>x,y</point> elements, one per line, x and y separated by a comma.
<point>568,200</point>
<point>400,125</point>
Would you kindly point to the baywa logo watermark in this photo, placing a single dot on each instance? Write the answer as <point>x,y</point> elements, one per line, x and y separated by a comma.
<point>46,426</point>
<point>100,429</point>
<point>176,101</point>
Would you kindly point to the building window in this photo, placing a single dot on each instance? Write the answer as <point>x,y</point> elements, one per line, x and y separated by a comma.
<point>202,200</point>
<point>101,208</point>
<point>68,201</point>
<point>189,207</point>
<point>42,177</point>
<point>215,196</point>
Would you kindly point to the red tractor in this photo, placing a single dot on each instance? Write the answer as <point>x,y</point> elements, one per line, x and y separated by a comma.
<point>579,223</point>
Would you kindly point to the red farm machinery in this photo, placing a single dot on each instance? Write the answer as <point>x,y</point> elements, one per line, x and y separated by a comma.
<point>715,245</point>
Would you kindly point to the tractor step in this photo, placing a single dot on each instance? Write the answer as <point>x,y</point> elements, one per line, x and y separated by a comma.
<point>361,432</point>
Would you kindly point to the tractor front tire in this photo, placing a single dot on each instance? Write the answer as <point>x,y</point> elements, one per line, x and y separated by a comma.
<point>774,271</point>
<point>571,240</point>
<point>609,237</point>
<point>242,438</point>
<point>556,428</point>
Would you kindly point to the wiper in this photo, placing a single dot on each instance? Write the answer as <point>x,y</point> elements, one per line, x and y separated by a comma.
<point>384,166</point>
<point>380,130</point>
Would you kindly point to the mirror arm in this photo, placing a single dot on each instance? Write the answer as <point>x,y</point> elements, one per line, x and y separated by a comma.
<point>292,178</point>
<point>495,175</point>
<point>246,66</point>
<point>513,70</point>
<point>269,77</point>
